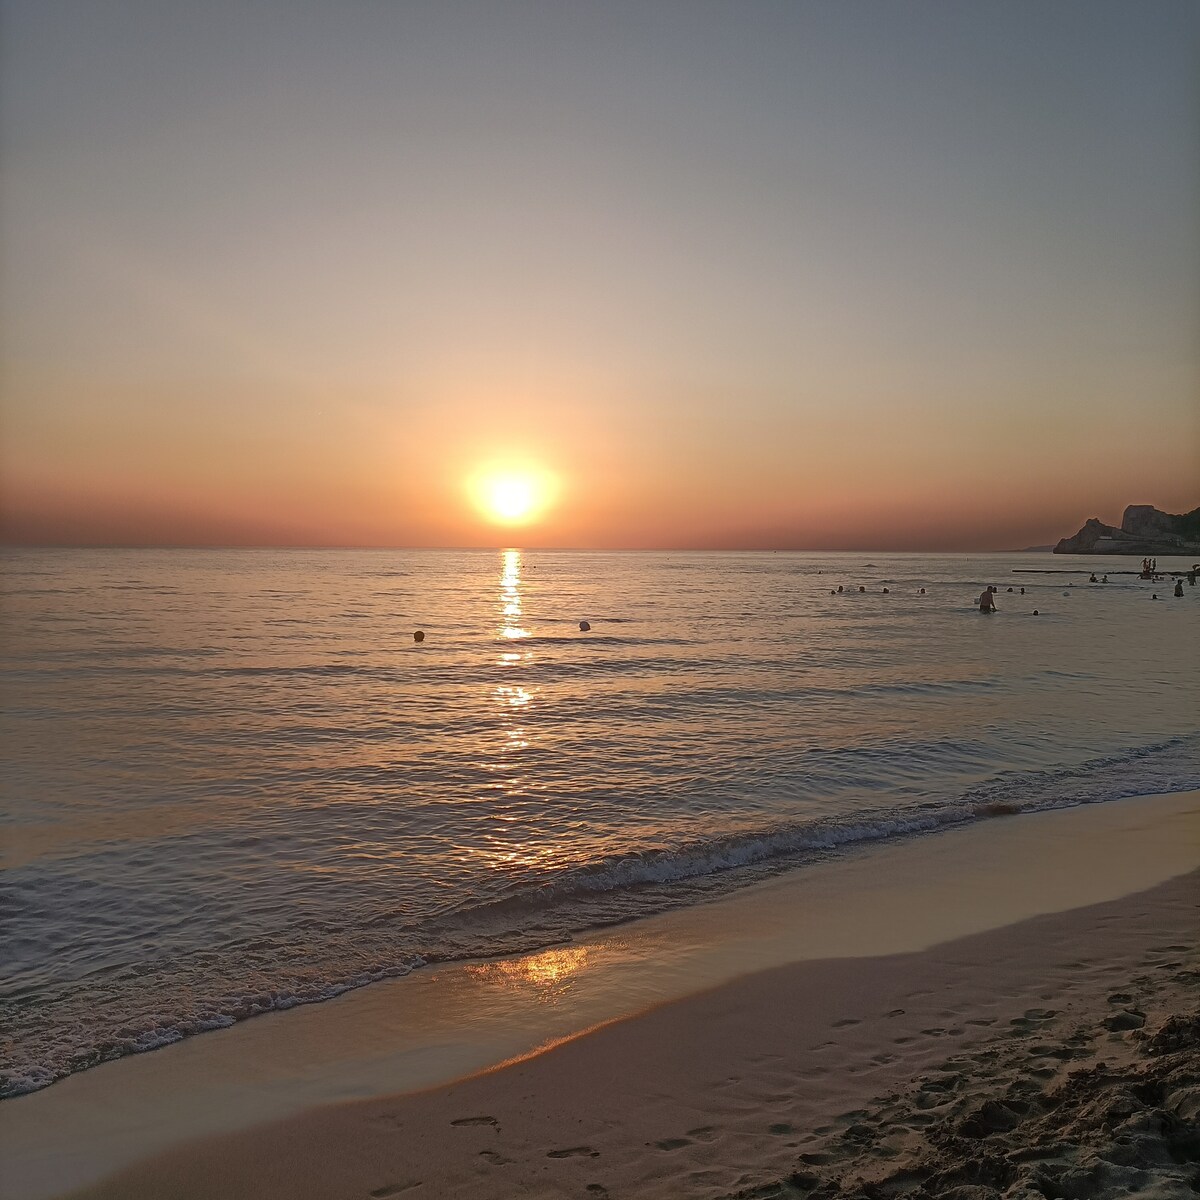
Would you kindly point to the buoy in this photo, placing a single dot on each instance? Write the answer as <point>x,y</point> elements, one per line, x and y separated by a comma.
<point>419,636</point>
<point>584,627</point>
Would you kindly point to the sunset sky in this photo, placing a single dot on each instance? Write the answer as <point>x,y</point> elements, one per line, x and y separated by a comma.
<point>800,274</point>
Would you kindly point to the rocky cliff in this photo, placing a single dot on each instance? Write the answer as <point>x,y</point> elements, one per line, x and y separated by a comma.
<point>1144,531</point>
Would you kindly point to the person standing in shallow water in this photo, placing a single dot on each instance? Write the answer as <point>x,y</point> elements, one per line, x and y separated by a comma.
<point>987,601</point>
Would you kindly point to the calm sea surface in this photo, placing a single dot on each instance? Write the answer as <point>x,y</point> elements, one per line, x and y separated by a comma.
<point>232,781</point>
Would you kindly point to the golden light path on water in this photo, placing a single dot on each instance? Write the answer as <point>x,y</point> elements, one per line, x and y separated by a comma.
<point>514,701</point>
<point>512,697</point>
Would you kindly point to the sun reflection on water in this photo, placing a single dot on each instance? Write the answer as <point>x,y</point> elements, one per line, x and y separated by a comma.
<point>512,698</point>
<point>510,596</point>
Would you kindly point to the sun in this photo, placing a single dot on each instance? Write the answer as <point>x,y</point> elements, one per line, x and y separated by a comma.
<point>512,495</point>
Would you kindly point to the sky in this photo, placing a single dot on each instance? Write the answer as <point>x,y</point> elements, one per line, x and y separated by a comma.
<point>813,275</point>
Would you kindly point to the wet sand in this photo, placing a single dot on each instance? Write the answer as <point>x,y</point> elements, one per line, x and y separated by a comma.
<point>1053,1057</point>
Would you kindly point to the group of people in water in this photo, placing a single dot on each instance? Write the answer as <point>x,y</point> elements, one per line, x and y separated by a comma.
<point>987,598</point>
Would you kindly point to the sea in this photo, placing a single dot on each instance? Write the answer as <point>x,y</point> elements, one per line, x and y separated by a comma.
<point>234,782</point>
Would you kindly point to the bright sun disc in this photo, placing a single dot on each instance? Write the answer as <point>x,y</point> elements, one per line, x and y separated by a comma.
<point>513,497</point>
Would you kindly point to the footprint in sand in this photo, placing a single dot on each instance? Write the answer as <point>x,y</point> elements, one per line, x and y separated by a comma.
<point>394,1189</point>
<point>845,1021</point>
<point>780,1128</point>
<point>598,1190</point>
<point>703,1133</point>
<point>673,1143</point>
<point>1033,1018</point>
<point>497,1160</point>
<point>896,1012</point>
<point>462,1121</point>
<point>574,1152</point>
<point>1129,1018</point>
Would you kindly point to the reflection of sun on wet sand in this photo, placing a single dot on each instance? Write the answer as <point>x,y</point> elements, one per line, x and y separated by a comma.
<point>545,972</point>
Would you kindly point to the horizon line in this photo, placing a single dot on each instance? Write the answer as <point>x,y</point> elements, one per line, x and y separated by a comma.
<point>4,545</point>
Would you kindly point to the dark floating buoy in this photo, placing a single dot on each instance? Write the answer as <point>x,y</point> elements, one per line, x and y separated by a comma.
<point>584,627</point>
<point>419,636</point>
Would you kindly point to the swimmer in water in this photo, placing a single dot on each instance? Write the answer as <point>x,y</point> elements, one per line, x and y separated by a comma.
<point>987,602</point>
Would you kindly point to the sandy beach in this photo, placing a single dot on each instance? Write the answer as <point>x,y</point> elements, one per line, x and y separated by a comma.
<point>1056,1056</point>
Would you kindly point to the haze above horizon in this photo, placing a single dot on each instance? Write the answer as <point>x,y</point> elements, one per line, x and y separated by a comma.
<point>682,275</point>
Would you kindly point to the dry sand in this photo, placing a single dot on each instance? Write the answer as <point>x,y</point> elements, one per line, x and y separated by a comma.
<point>1056,1057</point>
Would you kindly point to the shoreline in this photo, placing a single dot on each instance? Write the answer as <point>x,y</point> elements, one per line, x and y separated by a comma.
<point>779,1083</point>
<point>465,1019</point>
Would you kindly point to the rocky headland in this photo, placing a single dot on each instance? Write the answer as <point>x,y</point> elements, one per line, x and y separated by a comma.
<point>1144,530</point>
